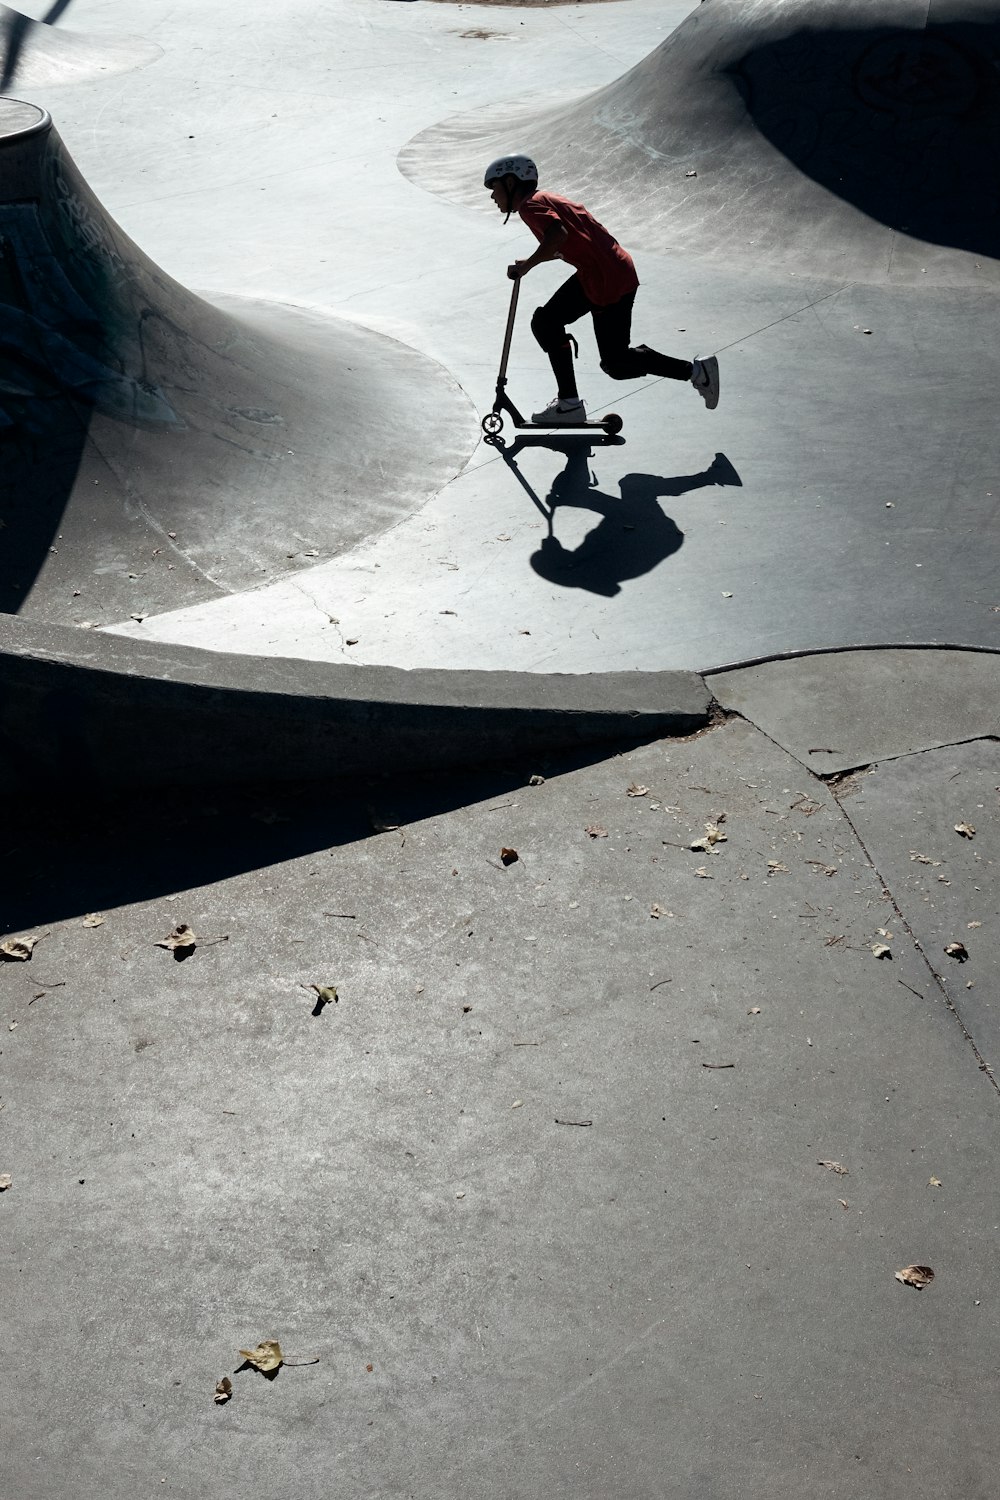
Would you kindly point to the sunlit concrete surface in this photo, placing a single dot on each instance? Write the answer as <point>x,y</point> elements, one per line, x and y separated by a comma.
<point>855,500</point>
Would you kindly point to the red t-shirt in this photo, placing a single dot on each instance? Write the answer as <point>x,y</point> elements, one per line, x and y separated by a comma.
<point>605,270</point>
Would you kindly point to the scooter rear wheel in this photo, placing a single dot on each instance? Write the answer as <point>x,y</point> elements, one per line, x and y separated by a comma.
<point>612,423</point>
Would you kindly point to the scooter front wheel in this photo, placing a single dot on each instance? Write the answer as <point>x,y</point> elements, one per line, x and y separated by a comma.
<point>492,423</point>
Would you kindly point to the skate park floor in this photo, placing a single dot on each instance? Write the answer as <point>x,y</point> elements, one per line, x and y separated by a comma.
<point>596,1175</point>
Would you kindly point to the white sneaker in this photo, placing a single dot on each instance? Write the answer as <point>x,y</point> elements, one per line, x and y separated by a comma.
<point>560,411</point>
<point>705,379</point>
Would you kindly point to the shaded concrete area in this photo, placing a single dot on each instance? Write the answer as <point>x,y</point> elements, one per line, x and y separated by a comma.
<point>555,1165</point>
<point>908,813</point>
<point>880,704</point>
<point>159,450</point>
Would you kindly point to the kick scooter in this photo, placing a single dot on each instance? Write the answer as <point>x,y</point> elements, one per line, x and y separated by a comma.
<point>493,420</point>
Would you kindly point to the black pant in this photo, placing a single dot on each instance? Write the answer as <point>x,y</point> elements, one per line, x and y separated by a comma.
<point>612,329</point>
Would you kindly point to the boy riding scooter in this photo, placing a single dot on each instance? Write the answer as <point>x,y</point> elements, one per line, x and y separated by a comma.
<point>604,284</point>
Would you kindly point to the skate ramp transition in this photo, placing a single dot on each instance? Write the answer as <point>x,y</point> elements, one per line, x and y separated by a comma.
<point>854,138</point>
<point>157,450</point>
<point>34,54</point>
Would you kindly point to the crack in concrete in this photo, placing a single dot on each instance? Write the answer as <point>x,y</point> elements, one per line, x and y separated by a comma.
<point>330,619</point>
<point>936,978</point>
<point>837,791</point>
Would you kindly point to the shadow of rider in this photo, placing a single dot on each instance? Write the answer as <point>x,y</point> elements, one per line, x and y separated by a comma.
<point>633,535</point>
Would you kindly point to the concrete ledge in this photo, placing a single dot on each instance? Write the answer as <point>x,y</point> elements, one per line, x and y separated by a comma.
<point>108,711</point>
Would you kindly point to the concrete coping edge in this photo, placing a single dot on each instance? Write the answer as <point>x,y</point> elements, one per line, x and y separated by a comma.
<point>114,711</point>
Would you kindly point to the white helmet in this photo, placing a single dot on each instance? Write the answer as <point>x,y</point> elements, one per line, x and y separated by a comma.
<point>516,165</point>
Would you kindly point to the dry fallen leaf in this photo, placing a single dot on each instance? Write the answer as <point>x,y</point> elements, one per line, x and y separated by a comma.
<point>326,994</point>
<point>834,1166</point>
<point>775,867</point>
<point>713,835</point>
<point>223,1390</point>
<point>934,1182</point>
<point>596,831</point>
<point>6,1181</point>
<point>970,926</point>
<point>966,830</point>
<point>266,1357</point>
<point>536,780</point>
<point>922,859</point>
<point>881,950</point>
<point>843,1202</point>
<point>703,874</point>
<point>754,1010</point>
<point>93,919</point>
<point>19,950</point>
<point>957,951</point>
<point>918,1276</point>
<point>633,790</point>
<point>508,856</point>
<point>181,938</point>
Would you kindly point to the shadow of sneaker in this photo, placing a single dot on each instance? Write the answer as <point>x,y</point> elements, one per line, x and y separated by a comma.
<point>721,471</point>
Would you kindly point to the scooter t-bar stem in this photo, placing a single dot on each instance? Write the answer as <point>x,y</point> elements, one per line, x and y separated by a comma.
<point>509,334</point>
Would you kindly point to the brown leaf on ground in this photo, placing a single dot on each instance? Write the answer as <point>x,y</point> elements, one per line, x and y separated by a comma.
<point>966,830</point>
<point>223,1391</point>
<point>266,1357</point>
<point>326,994</point>
<point>934,1182</point>
<point>19,950</point>
<point>713,835</point>
<point>595,831</point>
<point>6,1181</point>
<point>536,780</point>
<point>834,1166</point>
<point>843,1202</point>
<point>922,859</point>
<point>93,919</point>
<point>509,856</point>
<point>703,874</point>
<point>181,938</point>
<point>958,951</point>
<point>775,867</point>
<point>754,1010</point>
<point>971,926</point>
<point>881,950</point>
<point>918,1276</point>
<point>634,790</point>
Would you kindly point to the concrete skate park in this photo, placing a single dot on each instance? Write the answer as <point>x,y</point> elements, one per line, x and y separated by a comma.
<point>637,796</point>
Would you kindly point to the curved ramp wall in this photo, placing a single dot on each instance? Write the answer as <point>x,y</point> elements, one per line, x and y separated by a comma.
<point>844,138</point>
<point>156,449</point>
<point>34,54</point>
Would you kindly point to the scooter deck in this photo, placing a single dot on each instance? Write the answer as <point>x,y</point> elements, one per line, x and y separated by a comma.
<point>606,426</point>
